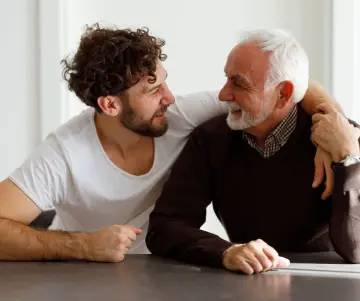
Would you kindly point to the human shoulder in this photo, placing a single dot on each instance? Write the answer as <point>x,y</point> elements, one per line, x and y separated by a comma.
<point>216,126</point>
<point>76,126</point>
<point>213,133</point>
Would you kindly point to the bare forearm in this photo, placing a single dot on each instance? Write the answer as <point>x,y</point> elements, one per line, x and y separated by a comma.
<point>20,242</point>
<point>316,94</point>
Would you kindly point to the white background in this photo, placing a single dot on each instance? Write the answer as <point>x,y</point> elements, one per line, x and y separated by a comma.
<point>37,34</point>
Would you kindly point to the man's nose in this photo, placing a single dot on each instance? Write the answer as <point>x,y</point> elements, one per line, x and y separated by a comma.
<point>225,93</point>
<point>168,98</point>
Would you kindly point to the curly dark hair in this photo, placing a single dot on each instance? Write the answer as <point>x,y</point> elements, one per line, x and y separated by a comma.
<point>109,61</point>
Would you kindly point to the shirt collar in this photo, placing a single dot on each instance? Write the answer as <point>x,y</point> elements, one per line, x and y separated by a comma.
<point>277,138</point>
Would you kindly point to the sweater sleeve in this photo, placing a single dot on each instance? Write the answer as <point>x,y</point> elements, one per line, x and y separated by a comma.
<point>345,220</point>
<point>174,228</point>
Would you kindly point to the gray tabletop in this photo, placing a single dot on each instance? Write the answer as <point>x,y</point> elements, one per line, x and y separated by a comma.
<point>145,277</point>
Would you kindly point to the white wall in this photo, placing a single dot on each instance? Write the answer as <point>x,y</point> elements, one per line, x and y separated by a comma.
<point>19,101</point>
<point>346,56</point>
<point>199,35</point>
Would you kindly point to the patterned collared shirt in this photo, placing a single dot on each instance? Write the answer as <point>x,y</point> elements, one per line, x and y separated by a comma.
<point>277,138</point>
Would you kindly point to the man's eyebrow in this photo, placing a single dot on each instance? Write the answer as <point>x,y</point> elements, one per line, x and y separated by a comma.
<point>240,79</point>
<point>153,88</point>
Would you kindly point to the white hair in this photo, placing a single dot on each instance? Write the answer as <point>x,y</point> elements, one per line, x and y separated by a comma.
<point>288,60</point>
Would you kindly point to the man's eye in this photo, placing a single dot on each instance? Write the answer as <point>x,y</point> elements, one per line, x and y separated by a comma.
<point>238,85</point>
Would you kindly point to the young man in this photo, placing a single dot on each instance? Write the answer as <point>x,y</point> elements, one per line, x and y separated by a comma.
<point>103,170</point>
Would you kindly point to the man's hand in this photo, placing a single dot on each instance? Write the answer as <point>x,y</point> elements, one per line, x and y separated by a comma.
<point>254,257</point>
<point>334,134</point>
<point>110,244</point>
<point>323,169</point>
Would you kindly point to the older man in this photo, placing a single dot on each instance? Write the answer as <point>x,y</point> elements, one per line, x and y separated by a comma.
<point>255,165</point>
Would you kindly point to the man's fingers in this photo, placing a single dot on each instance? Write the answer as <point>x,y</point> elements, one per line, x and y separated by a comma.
<point>272,255</point>
<point>124,250</point>
<point>255,264</point>
<point>316,127</point>
<point>325,108</point>
<point>264,261</point>
<point>317,117</point>
<point>128,244</point>
<point>132,236</point>
<point>327,193</point>
<point>129,233</point>
<point>245,267</point>
<point>316,139</point>
<point>283,262</point>
<point>124,240</point>
<point>259,257</point>
<point>329,180</point>
<point>319,172</point>
<point>318,175</point>
<point>134,229</point>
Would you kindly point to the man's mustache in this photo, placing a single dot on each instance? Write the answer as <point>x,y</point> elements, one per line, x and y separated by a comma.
<point>161,111</point>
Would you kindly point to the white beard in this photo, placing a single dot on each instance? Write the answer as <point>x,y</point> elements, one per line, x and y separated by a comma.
<point>242,120</point>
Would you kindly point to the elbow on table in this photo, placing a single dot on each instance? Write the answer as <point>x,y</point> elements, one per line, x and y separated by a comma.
<point>352,256</point>
<point>349,250</point>
<point>152,244</point>
<point>149,243</point>
<point>345,240</point>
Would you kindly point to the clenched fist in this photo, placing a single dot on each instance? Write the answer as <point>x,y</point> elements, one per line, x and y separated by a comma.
<point>110,244</point>
<point>253,257</point>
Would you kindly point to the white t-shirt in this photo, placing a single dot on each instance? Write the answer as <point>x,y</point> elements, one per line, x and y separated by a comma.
<point>71,173</point>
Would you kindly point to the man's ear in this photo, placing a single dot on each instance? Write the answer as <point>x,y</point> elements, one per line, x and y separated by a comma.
<point>110,105</point>
<point>286,92</point>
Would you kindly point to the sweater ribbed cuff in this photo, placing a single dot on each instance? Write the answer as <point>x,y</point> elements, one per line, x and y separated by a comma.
<point>215,253</point>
